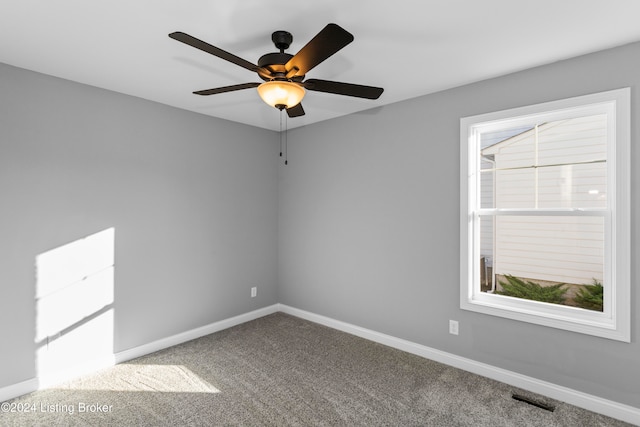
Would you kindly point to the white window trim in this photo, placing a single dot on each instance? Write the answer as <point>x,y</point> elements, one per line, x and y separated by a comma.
<point>614,322</point>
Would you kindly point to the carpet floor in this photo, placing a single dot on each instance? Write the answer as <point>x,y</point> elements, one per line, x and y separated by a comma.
<point>280,370</point>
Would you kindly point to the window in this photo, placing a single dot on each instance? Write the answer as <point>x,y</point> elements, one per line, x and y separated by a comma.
<point>545,214</point>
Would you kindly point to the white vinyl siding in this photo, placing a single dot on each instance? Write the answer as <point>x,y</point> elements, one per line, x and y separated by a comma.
<point>544,248</point>
<point>555,249</point>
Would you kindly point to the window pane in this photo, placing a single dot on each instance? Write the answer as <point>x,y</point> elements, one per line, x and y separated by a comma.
<point>569,141</point>
<point>558,164</point>
<point>546,250</point>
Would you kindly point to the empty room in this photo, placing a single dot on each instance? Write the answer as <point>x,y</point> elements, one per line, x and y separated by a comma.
<point>340,213</point>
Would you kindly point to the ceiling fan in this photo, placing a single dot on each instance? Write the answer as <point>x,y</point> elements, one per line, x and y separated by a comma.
<point>284,74</point>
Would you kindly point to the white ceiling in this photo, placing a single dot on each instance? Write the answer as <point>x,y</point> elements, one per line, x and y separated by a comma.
<point>408,47</point>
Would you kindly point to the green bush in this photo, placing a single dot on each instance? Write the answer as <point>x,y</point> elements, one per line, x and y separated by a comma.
<point>518,288</point>
<point>590,296</point>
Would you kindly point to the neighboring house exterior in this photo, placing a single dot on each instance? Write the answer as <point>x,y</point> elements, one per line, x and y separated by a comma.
<point>558,164</point>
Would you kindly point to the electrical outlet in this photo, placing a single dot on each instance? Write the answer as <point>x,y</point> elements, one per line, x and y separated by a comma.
<point>254,292</point>
<point>453,327</point>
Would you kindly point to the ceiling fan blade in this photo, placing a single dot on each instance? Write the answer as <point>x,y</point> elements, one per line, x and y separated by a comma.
<point>295,111</point>
<point>206,47</point>
<point>224,89</point>
<point>328,41</point>
<point>348,89</point>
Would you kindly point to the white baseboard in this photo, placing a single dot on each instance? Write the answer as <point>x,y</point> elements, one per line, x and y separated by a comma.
<point>163,343</point>
<point>33,384</point>
<point>18,389</point>
<point>606,407</point>
<point>610,408</point>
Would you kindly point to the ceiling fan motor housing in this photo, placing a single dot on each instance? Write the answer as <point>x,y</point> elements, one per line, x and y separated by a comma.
<point>271,65</point>
<point>282,39</point>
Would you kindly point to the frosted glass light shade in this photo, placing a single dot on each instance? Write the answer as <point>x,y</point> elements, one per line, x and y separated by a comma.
<point>281,93</point>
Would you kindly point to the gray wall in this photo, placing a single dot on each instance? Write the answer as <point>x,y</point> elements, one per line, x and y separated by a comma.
<point>364,217</point>
<point>369,227</point>
<point>193,201</point>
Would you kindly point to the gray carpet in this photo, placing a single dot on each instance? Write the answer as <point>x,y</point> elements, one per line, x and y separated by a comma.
<point>284,371</point>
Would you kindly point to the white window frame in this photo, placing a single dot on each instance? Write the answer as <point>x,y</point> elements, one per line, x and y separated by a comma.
<point>614,321</point>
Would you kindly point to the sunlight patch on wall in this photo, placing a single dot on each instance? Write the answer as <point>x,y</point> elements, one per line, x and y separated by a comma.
<point>153,378</point>
<point>74,305</point>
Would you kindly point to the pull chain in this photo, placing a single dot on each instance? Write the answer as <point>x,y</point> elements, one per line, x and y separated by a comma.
<point>280,133</point>
<point>286,137</point>
<point>283,137</point>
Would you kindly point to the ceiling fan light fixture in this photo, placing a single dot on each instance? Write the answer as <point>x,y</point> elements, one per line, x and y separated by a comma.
<point>284,74</point>
<point>281,93</point>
